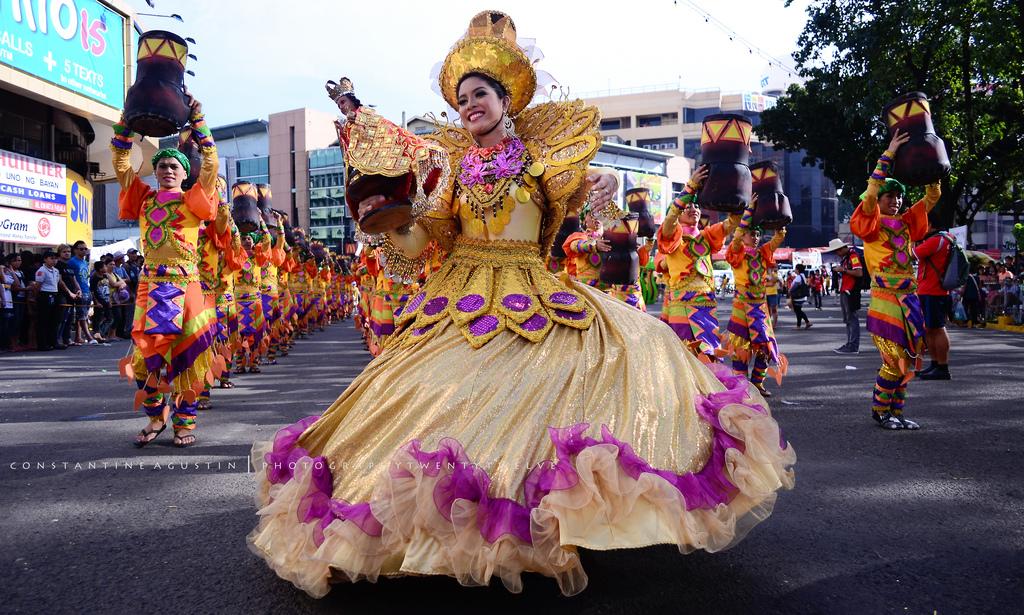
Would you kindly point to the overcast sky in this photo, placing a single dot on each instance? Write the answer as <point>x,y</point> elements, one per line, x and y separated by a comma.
<point>262,56</point>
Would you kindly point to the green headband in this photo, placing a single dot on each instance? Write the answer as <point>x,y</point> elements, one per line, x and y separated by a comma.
<point>170,152</point>
<point>889,185</point>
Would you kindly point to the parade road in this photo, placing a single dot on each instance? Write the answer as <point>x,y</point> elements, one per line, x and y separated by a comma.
<point>880,522</point>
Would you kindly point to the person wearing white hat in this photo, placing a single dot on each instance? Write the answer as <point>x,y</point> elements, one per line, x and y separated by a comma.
<point>851,269</point>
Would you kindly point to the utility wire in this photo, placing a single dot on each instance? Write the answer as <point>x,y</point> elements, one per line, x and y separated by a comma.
<point>735,37</point>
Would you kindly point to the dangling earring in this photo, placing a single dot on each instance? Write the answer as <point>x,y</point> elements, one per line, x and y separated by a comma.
<point>510,127</point>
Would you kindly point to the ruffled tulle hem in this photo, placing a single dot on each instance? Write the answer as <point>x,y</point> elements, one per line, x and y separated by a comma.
<point>431,513</point>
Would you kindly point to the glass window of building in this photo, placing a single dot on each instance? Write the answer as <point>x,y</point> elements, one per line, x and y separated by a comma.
<point>658,144</point>
<point>329,219</point>
<point>255,170</point>
<point>697,115</point>
<point>644,121</point>
<point>691,148</point>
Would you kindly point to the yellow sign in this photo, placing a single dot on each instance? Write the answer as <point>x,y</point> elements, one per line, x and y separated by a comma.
<point>79,212</point>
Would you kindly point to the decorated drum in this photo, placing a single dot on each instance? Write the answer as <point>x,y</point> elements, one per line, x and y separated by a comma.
<point>156,105</point>
<point>621,264</point>
<point>394,211</point>
<point>725,149</point>
<point>570,225</point>
<point>923,159</point>
<point>188,145</point>
<point>773,211</point>
<point>244,209</point>
<point>639,202</point>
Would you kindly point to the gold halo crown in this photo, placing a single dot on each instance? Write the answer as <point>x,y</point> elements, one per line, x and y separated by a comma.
<point>490,47</point>
<point>339,89</point>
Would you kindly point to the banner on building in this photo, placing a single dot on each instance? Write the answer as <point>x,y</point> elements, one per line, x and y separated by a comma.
<point>659,186</point>
<point>79,210</point>
<point>758,102</point>
<point>31,183</point>
<point>32,227</point>
<point>76,44</point>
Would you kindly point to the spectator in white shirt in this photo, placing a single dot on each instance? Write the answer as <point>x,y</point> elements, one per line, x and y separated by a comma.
<point>47,302</point>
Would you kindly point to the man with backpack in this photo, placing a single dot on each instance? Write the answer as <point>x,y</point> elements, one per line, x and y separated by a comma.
<point>852,277</point>
<point>939,262</point>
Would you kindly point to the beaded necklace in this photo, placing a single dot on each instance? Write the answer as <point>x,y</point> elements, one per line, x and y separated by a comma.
<point>492,181</point>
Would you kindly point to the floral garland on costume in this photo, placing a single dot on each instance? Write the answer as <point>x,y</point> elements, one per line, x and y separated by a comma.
<point>493,181</point>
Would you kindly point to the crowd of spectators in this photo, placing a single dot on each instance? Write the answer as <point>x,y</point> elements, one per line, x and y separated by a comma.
<point>61,298</point>
<point>993,290</point>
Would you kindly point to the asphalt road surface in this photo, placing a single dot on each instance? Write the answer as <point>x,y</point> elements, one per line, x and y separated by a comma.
<point>880,522</point>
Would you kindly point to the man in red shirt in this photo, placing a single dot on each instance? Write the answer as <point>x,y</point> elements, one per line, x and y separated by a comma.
<point>851,269</point>
<point>933,256</point>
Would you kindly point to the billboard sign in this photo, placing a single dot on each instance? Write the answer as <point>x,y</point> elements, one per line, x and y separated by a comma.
<point>79,209</point>
<point>76,44</point>
<point>658,185</point>
<point>758,102</point>
<point>26,226</point>
<point>31,183</point>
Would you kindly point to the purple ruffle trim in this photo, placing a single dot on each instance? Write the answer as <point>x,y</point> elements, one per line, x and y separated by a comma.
<point>497,517</point>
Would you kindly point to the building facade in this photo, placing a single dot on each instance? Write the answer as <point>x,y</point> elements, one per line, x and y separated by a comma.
<point>669,120</point>
<point>64,71</point>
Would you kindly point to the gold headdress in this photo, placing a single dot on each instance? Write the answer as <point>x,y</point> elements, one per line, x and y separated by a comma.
<point>490,47</point>
<point>339,89</point>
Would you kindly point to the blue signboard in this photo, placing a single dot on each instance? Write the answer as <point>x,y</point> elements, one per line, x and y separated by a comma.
<point>76,44</point>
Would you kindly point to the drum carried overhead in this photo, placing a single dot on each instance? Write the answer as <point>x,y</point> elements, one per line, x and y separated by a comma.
<point>156,105</point>
<point>244,209</point>
<point>189,145</point>
<point>621,264</point>
<point>773,211</point>
<point>923,159</point>
<point>639,202</point>
<point>725,149</point>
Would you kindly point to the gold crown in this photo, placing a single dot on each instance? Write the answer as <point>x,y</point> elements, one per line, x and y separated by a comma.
<point>339,89</point>
<point>490,48</point>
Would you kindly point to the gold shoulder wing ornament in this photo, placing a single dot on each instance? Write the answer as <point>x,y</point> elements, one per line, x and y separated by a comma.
<point>564,137</point>
<point>441,223</point>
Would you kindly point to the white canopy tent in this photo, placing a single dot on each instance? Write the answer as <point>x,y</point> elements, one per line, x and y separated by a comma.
<point>132,243</point>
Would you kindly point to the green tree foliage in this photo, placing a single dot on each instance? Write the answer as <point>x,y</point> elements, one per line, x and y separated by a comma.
<point>857,55</point>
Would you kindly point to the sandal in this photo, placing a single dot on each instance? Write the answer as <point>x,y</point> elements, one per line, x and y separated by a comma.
<point>146,439</point>
<point>184,440</point>
<point>226,384</point>
<point>255,369</point>
<point>204,404</point>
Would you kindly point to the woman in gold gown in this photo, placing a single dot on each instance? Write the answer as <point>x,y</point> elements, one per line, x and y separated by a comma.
<point>513,417</point>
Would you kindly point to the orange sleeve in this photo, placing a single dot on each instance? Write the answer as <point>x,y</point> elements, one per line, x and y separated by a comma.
<point>645,254</point>
<point>916,220</point>
<point>715,235</point>
<point>129,203</point>
<point>865,225</point>
<point>734,255</point>
<point>221,241</point>
<point>277,254</point>
<point>768,255</point>
<point>668,245</point>
<point>201,203</point>
<point>660,263</point>
<point>235,257</point>
<point>572,243</point>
